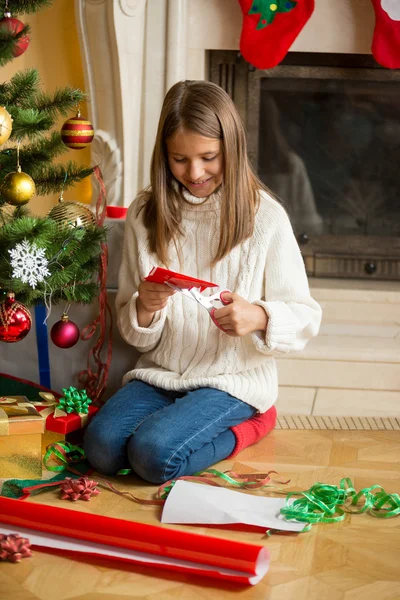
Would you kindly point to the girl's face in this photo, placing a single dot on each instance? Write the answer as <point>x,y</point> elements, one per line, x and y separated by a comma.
<point>195,161</point>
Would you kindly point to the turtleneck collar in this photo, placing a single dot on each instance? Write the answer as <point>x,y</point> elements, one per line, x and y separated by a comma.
<point>195,204</point>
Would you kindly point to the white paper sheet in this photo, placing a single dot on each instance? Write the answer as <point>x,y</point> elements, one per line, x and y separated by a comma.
<point>195,503</point>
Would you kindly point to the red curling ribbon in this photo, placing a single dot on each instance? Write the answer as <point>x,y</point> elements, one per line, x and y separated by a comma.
<point>210,477</point>
<point>94,379</point>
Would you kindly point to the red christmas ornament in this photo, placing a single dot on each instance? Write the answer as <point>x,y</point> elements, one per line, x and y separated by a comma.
<point>64,333</point>
<point>15,320</point>
<point>14,26</point>
<point>77,133</point>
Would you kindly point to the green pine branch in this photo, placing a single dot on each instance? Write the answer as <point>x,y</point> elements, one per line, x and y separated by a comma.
<point>29,122</point>
<point>19,7</point>
<point>20,89</point>
<point>53,178</point>
<point>48,178</point>
<point>72,254</point>
<point>42,151</point>
<point>62,102</point>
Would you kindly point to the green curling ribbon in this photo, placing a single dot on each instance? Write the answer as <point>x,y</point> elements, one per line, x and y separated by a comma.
<point>74,401</point>
<point>324,503</point>
<point>227,478</point>
<point>63,454</point>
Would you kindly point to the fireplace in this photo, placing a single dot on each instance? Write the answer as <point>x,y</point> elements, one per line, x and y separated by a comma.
<point>324,133</point>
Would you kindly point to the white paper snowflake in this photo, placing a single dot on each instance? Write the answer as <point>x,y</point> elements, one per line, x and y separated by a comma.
<point>29,263</point>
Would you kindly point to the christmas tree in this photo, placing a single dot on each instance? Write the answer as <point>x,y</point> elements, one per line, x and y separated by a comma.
<point>70,240</point>
<point>59,258</point>
<point>267,10</point>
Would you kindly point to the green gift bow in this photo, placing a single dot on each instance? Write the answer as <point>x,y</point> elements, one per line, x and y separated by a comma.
<point>74,401</point>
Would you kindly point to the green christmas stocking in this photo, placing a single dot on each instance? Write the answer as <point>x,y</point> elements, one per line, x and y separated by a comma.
<point>270,28</point>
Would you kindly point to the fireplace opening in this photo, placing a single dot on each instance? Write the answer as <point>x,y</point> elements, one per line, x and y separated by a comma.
<point>324,136</point>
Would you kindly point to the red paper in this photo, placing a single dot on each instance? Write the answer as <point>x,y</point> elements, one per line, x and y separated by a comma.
<point>160,275</point>
<point>136,542</point>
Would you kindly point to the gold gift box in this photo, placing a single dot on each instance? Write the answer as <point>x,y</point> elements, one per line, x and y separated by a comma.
<point>21,430</point>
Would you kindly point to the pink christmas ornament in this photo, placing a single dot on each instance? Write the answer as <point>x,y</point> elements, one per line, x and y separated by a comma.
<point>65,333</point>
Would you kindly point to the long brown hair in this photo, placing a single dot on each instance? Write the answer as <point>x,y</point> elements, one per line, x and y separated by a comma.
<point>206,109</point>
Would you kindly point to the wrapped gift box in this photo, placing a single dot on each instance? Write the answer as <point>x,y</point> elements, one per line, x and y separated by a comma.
<point>57,429</point>
<point>21,431</point>
<point>65,429</point>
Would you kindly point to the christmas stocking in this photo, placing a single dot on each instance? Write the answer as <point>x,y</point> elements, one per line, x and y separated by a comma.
<point>270,28</point>
<point>386,40</point>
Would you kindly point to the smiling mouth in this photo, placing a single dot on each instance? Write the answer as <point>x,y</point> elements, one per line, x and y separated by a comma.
<point>199,182</point>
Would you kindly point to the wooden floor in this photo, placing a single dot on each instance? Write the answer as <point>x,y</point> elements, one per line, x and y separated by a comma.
<point>358,559</point>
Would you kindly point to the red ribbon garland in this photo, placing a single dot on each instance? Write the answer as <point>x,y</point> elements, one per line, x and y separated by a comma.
<point>95,380</point>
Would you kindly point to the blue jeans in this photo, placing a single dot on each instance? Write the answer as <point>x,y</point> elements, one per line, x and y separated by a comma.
<point>163,434</point>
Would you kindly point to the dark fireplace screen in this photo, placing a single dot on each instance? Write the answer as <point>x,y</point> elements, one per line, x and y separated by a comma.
<point>325,139</point>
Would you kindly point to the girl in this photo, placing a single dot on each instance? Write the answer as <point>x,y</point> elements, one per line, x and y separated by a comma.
<point>198,394</point>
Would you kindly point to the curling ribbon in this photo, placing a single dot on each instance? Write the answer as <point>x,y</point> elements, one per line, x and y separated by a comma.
<point>95,380</point>
<point>324,503</point>
<point>61,455</point>
<point>209,476</point>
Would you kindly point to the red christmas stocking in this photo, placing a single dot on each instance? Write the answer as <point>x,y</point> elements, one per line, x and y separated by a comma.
<point>270,28</point>
<point>386,40</point>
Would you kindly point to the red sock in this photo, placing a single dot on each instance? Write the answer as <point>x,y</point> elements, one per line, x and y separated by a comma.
<point>253,430</point>
<point>386,40</point>
<point>270,28</point>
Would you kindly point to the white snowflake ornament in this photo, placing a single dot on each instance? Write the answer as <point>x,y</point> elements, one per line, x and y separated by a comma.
<point>29,263</point>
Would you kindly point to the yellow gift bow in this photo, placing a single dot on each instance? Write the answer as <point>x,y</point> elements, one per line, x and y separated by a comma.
<point>9,407</point>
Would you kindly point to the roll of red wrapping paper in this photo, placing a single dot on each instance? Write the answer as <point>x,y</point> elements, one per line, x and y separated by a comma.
<point>180,550</point>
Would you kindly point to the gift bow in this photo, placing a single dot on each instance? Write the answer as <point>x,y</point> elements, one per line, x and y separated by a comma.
<point>73,401</point>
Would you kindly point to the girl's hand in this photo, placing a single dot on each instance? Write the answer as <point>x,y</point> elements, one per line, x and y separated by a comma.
<point>152,298</point>
<point>240,317</point>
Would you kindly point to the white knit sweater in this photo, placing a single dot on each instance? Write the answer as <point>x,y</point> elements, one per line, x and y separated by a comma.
<point>182,348</point>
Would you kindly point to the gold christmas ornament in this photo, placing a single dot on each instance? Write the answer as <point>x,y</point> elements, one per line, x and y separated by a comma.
<point>5,125</point>
<point>72,214</point>
<point>18,188</point>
